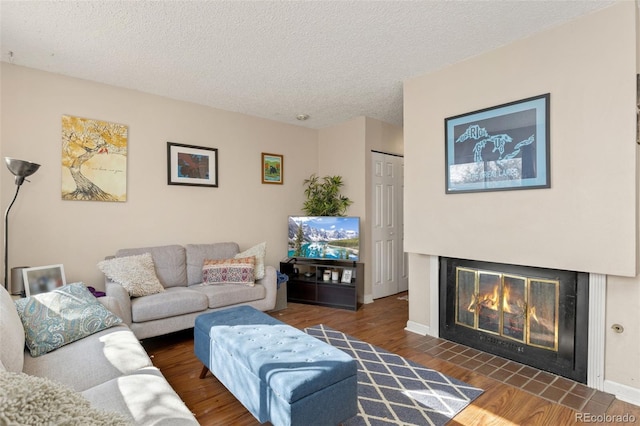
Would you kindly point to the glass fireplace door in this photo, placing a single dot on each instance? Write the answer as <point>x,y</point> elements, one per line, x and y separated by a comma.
<point>517,307</point>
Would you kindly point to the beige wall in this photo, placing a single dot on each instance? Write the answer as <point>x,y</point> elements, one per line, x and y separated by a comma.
<point>587,220</point>
<point>383,137</point>
<point>46,230</point>
<point>622,351</point>
<point>341,152</point>
<point>345,150</point>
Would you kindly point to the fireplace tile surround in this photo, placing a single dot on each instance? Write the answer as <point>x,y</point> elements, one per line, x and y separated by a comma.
<point>551,387</point>
<point>595,386</point>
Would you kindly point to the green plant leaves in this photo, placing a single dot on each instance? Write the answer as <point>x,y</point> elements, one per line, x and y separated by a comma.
<point>323,196</point>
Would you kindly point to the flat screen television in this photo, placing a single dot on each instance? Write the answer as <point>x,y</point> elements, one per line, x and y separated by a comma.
<point>324,237</point>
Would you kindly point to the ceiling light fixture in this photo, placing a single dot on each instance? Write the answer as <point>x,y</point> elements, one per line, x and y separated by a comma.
<point>302,117</point>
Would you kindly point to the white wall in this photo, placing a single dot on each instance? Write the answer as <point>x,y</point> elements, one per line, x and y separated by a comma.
<point>587,220</point>
<point>46,230</point>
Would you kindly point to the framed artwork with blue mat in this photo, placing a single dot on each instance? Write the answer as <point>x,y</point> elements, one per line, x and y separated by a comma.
<point>393,390</point>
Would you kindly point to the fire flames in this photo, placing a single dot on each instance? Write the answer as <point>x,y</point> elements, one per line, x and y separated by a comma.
<point>490,300</point>
<point>509,303</point>
<point>501,307</point>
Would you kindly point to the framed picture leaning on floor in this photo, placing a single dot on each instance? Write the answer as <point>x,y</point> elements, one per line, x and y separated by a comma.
<point>42,279</point>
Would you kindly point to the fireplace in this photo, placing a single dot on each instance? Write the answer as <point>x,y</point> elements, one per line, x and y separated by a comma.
<point>530,315</point>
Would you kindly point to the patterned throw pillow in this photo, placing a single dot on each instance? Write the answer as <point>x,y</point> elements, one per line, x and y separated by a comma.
<point>62,316</point>
<point>229,271</point>
<point>259,251</point>
<point>137,274</point>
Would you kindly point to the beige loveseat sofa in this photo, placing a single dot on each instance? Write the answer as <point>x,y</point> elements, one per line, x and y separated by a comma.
<point>179,270</point>
<point>109,368</point>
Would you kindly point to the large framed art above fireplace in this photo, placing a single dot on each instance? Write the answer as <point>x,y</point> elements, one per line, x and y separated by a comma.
<point>531,315</point>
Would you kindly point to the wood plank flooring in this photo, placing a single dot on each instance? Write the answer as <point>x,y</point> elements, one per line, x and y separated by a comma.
<point>380,323</point>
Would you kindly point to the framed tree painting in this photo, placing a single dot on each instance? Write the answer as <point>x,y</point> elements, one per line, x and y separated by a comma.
<point>272,168</point>
<point>504,147</point>
<point>94,160</point>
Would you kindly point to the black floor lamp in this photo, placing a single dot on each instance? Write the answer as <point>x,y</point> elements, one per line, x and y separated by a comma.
<point>21,169</point>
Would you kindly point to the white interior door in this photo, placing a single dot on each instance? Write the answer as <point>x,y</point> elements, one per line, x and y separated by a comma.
<point>389,265</point>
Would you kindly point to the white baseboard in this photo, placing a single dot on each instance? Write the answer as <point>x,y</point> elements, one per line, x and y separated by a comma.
<point>417,328</point>
<point>623,392</point>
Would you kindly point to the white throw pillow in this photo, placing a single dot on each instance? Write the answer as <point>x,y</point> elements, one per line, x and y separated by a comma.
<point>31,400</point>
<point>259,251</point>
<point>136,274</point>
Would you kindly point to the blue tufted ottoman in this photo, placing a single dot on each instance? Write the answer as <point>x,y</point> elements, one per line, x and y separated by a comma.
<point>279,373</point>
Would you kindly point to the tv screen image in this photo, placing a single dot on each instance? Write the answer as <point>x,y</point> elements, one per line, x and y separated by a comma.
<point>324,237</point>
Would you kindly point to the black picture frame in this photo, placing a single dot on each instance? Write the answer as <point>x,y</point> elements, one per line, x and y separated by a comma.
<point>505,147</point>
<point>192,165</point>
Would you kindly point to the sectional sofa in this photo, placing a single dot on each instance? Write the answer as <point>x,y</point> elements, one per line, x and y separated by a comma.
<point>75,371</point>
<point>106,372</point>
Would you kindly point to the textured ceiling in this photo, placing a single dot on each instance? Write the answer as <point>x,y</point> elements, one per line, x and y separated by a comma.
<point>333,60</point>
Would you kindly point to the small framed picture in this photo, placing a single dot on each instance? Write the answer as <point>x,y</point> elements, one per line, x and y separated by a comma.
<point>272,168</point>
<point>191,165</point>
<point>346,276</point>
<point>42,279</point>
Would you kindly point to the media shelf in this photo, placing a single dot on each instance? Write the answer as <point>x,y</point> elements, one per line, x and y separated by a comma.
<point>307,283</point>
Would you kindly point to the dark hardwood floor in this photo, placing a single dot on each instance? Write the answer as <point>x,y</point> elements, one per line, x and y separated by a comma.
<point>382,324</point>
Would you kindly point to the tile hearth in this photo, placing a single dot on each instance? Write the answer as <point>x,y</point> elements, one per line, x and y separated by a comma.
<point>549,386</point>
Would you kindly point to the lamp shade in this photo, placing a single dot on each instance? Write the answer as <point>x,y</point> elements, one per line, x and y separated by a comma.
<point>21,168</point>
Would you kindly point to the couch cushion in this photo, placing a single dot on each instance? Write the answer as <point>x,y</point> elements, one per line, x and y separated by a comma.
<point>229,271</point>
<point>90,361</point>
<point>62,316</point>
<point>157,405</point>
<point>135,273</point>
<point>230,294</point>
<point>197,253</point>
<point>170,303</point>
<point>12,339</point>
<point>171,267</point>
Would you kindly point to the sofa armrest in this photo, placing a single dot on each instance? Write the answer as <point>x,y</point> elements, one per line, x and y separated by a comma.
<point>270,283</point>
<point>111,303</point>
<point>121,298</point>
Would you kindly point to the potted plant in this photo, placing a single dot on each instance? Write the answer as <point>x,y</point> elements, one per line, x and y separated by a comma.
<point>323,196</point>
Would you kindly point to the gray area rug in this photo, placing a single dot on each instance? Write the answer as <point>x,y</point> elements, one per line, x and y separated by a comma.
<point>395,391</point>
